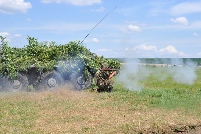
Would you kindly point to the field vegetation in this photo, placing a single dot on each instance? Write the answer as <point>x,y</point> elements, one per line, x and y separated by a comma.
<point>160,107</point>
<point>196,61</point>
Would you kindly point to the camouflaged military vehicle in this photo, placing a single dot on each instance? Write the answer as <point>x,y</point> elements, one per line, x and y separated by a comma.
<point>48,67</point>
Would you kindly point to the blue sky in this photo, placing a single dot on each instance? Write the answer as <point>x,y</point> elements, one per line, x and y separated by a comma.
<point>136,28</point>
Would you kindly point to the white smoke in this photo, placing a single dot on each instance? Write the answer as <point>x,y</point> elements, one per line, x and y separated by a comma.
<point>133,74</point>
<point>130,75</point>
<point>183,73</point>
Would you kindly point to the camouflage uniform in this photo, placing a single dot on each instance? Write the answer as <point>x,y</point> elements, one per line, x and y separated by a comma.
<point>102,81</point>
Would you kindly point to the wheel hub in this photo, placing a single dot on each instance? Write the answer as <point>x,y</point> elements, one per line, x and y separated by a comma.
<point>51,82</point>
<point>80,80</point>
<point>16,84</point>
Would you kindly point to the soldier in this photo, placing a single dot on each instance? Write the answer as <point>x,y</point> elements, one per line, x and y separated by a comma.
<point>103,79</point>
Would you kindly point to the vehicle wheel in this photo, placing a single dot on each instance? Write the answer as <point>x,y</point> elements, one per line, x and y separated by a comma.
<point>79,82</point>
<point>49,81</point>
<point>20,83</point>
<point>1,82</point>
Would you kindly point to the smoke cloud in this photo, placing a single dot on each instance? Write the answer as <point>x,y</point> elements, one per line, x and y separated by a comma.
<point>183,72</point>
<point>134,72</point>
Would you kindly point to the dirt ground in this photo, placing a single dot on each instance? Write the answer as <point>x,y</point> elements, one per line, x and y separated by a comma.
<point>190,130</point>
<point>67,111</point>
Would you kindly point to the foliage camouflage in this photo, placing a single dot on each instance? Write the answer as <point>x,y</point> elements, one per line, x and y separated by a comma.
<point>68,57</point>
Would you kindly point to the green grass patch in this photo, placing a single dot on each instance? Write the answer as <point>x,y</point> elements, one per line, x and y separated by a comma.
<point>16,115</point>
<point>160,107</point>
<point>189,100</point>
<point>163,92</point>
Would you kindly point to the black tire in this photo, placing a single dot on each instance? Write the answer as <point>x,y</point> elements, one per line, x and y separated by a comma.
<point>79,82</point>
<point>1,82</point>
<point>20,83</point>
<point>49,81</point>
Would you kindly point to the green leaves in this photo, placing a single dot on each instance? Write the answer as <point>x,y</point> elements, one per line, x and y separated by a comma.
<point>68,57</point>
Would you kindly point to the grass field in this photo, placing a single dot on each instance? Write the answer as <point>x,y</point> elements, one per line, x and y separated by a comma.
<point>160,107</point>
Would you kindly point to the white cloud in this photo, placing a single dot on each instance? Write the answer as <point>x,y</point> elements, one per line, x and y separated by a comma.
<point>195,34</point>
<point>180,20</point>
<point>9,37</point>
<point>17,35</point>
<point>74,2</point>
<point>144,47</point>
<point>186,8</point>
<point>94,40</point>
<point>171,50</point>
<point>168,49</point>
<point>13,6</point>
<point>195,25</point>
<point>144,51</point>
<point>4,34</point>
<point>101,9</point>
<point>134,28</point>
<point>141,51</point>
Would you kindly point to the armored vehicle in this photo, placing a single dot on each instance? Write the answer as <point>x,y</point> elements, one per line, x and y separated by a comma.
<point>47,67</point>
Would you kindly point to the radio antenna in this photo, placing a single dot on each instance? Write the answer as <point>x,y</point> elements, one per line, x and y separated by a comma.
<point>102,20</point>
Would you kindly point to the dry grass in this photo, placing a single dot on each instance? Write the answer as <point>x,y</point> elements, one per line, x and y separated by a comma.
<point>66,111</point>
